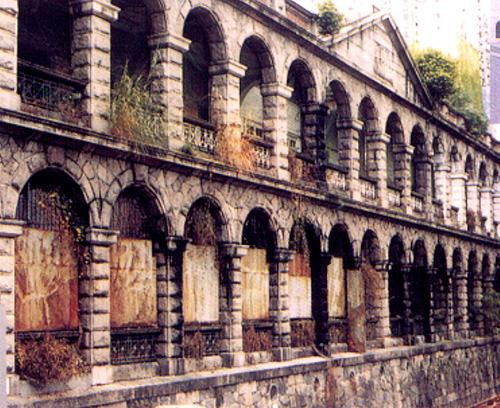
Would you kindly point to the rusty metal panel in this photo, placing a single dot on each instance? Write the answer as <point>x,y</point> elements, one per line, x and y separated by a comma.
<point>200,284</point>
<point>336,288</point>
<point>300,287</point>
<point>356,310</point>
<point>133,284</point>
<point>46,281</point>
<point>255,285</point>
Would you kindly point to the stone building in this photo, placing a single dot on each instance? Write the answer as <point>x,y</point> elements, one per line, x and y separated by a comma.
<point>292,221</point>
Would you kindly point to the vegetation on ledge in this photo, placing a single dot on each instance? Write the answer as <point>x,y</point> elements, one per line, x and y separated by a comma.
<point>329,19</point>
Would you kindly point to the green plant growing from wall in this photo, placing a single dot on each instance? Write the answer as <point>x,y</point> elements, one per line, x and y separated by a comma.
<point>134,114</point>
<point>329,19</point>
<point>438,73</point>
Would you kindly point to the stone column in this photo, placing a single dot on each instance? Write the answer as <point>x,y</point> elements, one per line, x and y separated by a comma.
<point>356,308</point>
<point>486,210</point>
<point>91,56</point>
<point>275,118</point>
<point>9,231</point>
<point>279,304</point>
<point>426,165</point>
<point>314,137</point>
<point>488,289</point>
<point>402,168</point>
<point>406,270</point>
<point>9,99</point>
<point>377,164</point>
<point>320,301</point>
<point>442,176</point>
<point>496,208</point>
<point>472,191</point>
<point>432,277</point>
<point>348,134</point>
<point>458,196</point>
<point>383,314</point>
<point>167,84</point>
<point>232,317</point>
<point>170,318</point>
<point>477,326</point>
<point>461,325</point>
<point>95,305</point>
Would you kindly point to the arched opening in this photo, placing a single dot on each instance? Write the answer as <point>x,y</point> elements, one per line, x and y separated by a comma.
<point>370,256</point>
<point>301,81</point>
<point>458,319</point>
<point>469,167</point>
<point>135,262</point>
<point>206,48</point>
<point>483,175</point>
<point>473,291</point>
<point>305,307</point>
<point>256,281</point>
<point>337,103</point>
<point>440,289</point>
<point>45,73</point>
<point>340,249</point>
<point>397,307</point>
<point>497,30</point>
<point>419,294</point>
<point>256,57</point>
<point>418,162</point>
<point>51,257</point>
<point>367,114</point>
<point>395,158</point>
<point>202,293</point>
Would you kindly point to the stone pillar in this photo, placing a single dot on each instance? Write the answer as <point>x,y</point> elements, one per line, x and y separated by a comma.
<point>383,314</point>
<point>426,165</point>
<point>225,93</point>
<point>442,184</point>
<point>377,164</point>
<point>486,210</point>
<point>275,118</point>
<point>169,292</point>
<point>91,56</point>
<point>314,137</point>
<point>9,231</point>
<point>167,84</point>
<point>348,134</point>
<point>402,168</point>
<point>458,196</point>
<point>320,301</point>
<point>461,323</point>
<point>477,326</point>
<point>9,99</point>
<point>496,208</point>
<point>472,191</point>
<point>488,289</point>
<point>231,296</point>
<point>279,304</point>
<point>95,305</point>
<point>356,308</point>
<point>432,279</point>
<point>406,270</point>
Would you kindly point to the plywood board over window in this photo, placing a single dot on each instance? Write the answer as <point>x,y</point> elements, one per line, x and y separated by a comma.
<point>336,288</point>
<point>255,285</point>
<point>46,281</point>
<point>200,284</point>
<point>133,284</point>
<point>300,286</point>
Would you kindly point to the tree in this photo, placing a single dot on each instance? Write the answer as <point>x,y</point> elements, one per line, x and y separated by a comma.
<point>329,19</point>
<point>438,72</point>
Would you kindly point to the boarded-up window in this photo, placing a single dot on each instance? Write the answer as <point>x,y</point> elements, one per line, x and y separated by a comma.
<point>255,285</point>
<point>336,288</point>
<point>300,286</point>
<point>46,281</point>
<point>200,284</point>
<point>133,284</point>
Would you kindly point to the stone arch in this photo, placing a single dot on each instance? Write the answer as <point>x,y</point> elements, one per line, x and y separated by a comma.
<point>136,264</point>
<point>483,174</point>
<point>259,231</point>
<point>395,156</point>
<point>419,292</point>
<point>419,161</point>
<point>440,291</point>
<point>370,257</point>
<point>470,167</point>
<point>206,213</point>
<point>368,115</point>
<point>338,109</point>
<point>260,71</point>
<point>455,159</point>
<point>56,219</point>
<point>306,294</point>
<point>397,306</point>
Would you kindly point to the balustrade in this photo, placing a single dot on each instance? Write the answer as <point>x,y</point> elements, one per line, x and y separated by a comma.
<point>202,136</point>
<point>394,197</point>
<point>368,189</point>
<point>336,179</point>
<point>417,203</point>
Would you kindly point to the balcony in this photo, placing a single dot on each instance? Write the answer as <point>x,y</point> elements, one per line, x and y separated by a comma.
<point>48,93</point>
<point>200,135</point>
<point>394,196</point>
<point>262,148</point>
<point>368,188</point>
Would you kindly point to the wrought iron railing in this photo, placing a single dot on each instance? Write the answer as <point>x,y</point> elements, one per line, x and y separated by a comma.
<point>257,336</point>
<point>200,135</point>
<point>201,340</point>
<point>46,89</point>
<point>133,345</point>
<point>368,189</point>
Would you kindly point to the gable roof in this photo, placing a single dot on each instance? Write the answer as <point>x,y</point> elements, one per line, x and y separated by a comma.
<point>385,19</point>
